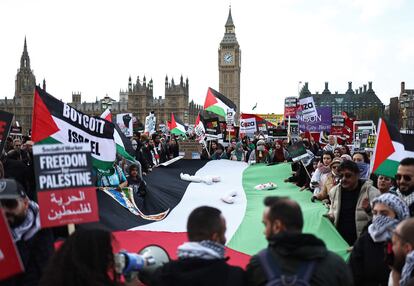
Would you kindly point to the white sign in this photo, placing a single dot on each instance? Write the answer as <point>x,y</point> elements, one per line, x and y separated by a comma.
<point>150,122</point>
<point>230,116</point>
<point>248,125</point>
<point>124,121</point>
<point>307,106</point>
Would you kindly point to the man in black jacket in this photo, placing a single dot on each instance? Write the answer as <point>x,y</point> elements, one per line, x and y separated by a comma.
<point>201,261</point>
<point>295,254</point>
<point>35,245</point>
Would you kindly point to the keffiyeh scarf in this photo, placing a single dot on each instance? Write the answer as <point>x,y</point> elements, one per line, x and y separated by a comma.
<point>381,228</point>
<point>205,249</point>
<point>407,269</point>
<point>30,226</point>
<point>408,199</point>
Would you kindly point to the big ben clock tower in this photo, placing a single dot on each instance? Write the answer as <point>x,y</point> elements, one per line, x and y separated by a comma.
<point>229,63</point>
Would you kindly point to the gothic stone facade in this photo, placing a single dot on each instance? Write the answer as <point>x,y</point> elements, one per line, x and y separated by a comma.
<point>21,105</point>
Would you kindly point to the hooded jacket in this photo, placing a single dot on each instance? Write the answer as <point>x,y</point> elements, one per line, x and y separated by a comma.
<point>200,272</point>
<point>289,250</point>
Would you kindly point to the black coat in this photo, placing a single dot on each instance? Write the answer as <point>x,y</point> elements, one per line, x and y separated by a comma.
<point>35,254</point>
<point>198,272</point>
<point>367,262</point>
<point>291,249</point>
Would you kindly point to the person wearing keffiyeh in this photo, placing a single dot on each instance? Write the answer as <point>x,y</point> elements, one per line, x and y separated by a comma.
<point>367,258</point>
<point>405,182</point>
<point>201,261</point>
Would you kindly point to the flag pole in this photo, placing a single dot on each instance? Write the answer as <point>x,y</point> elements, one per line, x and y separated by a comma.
<point>288,131</point>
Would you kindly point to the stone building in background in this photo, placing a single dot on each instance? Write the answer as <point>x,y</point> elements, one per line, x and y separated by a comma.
<point>21,105</point>
<point>362,102</point>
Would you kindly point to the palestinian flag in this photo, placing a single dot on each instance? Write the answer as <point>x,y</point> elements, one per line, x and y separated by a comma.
<point>123,144</point>
<point>218,103</point>
<point>244,231</point>
<point>390,148</point>
<point>57,122</point>
<point>176,126</point>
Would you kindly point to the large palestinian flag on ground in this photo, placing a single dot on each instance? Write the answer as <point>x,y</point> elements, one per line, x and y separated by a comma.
<point>390,148</point>
<point>57,122</point>
<point>166,191</point>
<point>217,103</point>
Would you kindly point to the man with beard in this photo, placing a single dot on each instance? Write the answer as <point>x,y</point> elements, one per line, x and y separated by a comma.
<point>403,249</point>
<point>292,255</point>
<point>350,201</point>
<point>35,245</point>
<point>161,148</point>
<point>405,182</point>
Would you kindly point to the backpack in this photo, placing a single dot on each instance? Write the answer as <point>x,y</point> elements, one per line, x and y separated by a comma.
<point>274,274</point>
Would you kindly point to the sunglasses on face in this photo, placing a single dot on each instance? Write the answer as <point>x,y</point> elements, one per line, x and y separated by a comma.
<point>398,177</point>
<point>9,203</point>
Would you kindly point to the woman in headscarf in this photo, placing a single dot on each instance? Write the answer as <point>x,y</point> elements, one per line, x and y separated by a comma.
<point>260,155</point>
<point>238,154</point>
<point>367,258</point>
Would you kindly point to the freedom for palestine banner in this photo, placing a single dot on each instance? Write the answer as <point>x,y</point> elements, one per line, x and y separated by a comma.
<point>57,122</point>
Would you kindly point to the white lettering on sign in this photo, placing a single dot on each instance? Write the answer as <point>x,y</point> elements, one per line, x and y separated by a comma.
<point>57,181</point>
<point>89,122</point>
<point>63,161</point>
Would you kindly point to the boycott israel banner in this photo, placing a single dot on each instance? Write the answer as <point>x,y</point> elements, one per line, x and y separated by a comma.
<point>5,124</point>
<point>321,122</point>
<point>64,183</point>
<point>57,122</point>
<point>10,263</point>
<point>307,107</point>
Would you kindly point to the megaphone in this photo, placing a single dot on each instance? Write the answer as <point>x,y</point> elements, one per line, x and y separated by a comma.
<point>149,259</point>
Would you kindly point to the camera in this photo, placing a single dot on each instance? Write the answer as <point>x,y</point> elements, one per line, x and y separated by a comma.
<point>147,260</point>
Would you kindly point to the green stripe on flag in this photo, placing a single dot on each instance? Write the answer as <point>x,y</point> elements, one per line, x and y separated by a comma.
<point>121,151</point>
<point>388,168</point>
<point>217,110</point>
<point>249,237</point>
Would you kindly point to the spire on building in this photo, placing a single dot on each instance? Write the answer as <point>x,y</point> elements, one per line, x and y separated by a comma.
<point>44,84</point>
<point>25,60</point>
<point>230,31</point>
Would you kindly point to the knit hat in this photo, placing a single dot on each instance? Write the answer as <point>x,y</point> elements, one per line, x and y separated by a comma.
<point>346,157</point>
<point>395,203</point>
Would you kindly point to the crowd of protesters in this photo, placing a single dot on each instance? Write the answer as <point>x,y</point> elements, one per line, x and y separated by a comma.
<point>371,213</point>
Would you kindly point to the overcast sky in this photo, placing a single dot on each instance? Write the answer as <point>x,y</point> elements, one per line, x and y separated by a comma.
<point>94,46</point>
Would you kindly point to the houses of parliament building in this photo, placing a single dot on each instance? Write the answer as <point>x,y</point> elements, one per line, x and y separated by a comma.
<point>138,98</point>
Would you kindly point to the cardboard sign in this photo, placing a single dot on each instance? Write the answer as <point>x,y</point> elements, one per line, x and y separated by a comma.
<point>5,125</point>
<point>297,151</point>
<point>10,263</point>
<point>307,107</point>
<point>64,183</point>
<point>190,149</point>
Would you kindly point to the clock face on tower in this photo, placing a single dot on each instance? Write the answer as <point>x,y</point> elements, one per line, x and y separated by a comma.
<point>228,58</point>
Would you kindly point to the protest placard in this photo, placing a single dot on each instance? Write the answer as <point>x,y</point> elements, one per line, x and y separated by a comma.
<point>10,262</point>
<point>5,124</point>
<point>64,182</point>
<point>297,151</point>
<point>307,107</point>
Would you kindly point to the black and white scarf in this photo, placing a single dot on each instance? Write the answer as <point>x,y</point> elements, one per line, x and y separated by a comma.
<point>407,269</point>
<point>30,226</point>
<point>408,199</point>
<point>205,249</point>
<point>381,228</point>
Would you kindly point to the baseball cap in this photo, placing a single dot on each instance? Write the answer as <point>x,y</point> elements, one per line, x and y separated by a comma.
<point>11,189</point>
